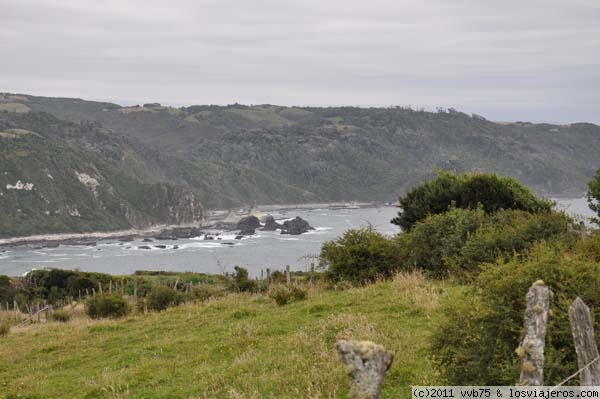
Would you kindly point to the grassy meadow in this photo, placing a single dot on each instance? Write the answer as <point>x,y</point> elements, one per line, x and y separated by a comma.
<point>237,346</point>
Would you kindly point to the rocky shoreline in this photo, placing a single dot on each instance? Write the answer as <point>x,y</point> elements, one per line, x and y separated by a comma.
<point>245,226</point>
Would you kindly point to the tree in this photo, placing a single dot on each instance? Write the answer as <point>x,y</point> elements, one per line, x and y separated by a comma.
<point>467,191</point>
<point>593,195</point>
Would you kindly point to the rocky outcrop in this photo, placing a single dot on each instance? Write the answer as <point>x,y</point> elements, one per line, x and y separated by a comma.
<point>248,223</point>
<point>174,204</point>
<point>296,226</point>
<point>271,224</point>
<point>180,232</point>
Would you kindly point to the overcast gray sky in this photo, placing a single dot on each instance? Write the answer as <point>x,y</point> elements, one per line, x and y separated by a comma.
<point>536,60</point>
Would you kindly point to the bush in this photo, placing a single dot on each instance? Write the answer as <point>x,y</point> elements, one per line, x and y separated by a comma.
<point>458,241</point>
<point>4,328</point>
<point>483,324</point>
<point>162,297</point>
<point>61,315</point>
<point>360,255</point>
<point>283,294</point>
<point>298,293</point>
<point>434,240</point>
<point>507,233</point>
<point>593,195</point>
<point>107,305</point>
<point>241,282</point>
<point>490,191</point>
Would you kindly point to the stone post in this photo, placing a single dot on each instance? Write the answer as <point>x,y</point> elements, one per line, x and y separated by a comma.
<point>366,364</point>
<point>531,350</point>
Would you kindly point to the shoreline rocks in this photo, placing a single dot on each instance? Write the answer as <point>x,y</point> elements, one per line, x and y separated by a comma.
<point>271,224</point>
<point>296,226</point>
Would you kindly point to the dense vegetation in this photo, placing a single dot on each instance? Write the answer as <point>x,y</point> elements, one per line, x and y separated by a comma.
<point>59,177</point>
<point>490,192</point>
<point>227,156</point>
<point>447,296</point>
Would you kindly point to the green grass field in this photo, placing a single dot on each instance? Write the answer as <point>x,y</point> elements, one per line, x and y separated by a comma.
<point>238,346</point>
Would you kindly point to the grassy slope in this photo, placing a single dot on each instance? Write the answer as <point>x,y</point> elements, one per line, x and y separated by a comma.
<point>236,347</point>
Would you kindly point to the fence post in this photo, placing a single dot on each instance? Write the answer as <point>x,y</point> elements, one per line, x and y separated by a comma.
<point>288,277</point>
<point>366,364</point>
<point>268,276</point>
<point>585,342</point>
<point>531,349</point>
<point>312,274</point>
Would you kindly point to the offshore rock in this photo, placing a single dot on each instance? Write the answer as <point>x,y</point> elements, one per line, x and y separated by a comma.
<point>296,226</point>
<point>271,224</point>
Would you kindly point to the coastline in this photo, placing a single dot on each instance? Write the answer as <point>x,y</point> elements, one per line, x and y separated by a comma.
<point>213,216</point>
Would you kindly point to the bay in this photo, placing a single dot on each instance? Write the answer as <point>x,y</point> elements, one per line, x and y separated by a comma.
<point>264,250</point>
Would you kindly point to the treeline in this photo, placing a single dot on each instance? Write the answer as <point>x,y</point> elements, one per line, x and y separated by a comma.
<point>493,236</point>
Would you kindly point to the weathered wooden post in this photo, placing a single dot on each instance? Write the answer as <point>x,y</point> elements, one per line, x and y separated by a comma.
<point>288,277</point>
<point>110,287</point>
<point>312,273</point>
<point>531,349</point>
<point>585,343</point>
<point>17,311</point>
<point>366,364</point>
<point>100,287</point>
<point>268,276</point>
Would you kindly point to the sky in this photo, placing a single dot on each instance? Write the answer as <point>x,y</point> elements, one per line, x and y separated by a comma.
<point>509,60</point>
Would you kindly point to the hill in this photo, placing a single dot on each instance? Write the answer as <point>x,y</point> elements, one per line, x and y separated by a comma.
<point>239,346</point>
<point>59,177</point>
<point>230,156</point>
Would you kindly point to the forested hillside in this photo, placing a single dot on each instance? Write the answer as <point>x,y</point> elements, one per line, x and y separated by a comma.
<point>227,156</point>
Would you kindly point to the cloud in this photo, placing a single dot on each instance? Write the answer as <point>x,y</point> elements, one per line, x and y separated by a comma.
<point>510,60</point>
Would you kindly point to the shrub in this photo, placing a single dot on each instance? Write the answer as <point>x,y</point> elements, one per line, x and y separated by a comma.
<point>281,294</point>
<point>162,297</point>
<point>241,282</point>
<point>61,315</point>
<point>298,293</point>
<point>593,195</point>
<point>466,191</point>
<point>360,255</point>
<point>4,328</point>
<point>107,305</point>
<point>507,233</point>
<point>483,324</point>
<point>434,240</point>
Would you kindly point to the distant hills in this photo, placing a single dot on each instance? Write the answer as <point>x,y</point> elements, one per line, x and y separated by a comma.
<point>70,165</point>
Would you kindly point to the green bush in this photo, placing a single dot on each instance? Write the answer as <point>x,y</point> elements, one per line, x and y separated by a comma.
<point>4,328</point>
<point>432,241</point>
<point>162,297</point>
<point>241,282</point>
<point>106,305</point>
<point>283,294</point>
<point>490,191</point>
<point>360,255</point>
<point>298,293</point>
<point>593,195</point>
<point>475,344</point>
<point>61,315</point>
<point>507,233</point>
